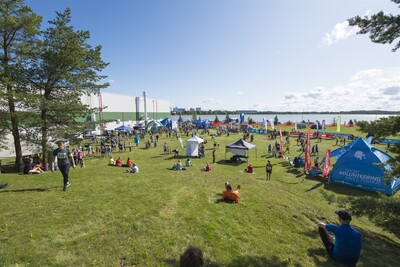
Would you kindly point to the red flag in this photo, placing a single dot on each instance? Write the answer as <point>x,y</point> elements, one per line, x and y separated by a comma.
<point>307,160</point>
<point>327,165</point>
<point>281,146</point>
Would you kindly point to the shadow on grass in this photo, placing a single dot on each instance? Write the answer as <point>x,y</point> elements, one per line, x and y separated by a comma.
<point>227,162</point>
<point>26,190</point>
<point>314,187</point>
<point>254,261</point>
<point>258,261</point>
<point>349,191</point>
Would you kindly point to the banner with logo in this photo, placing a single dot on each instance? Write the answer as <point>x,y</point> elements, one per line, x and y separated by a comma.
<point>323,125</point>
<point>307,160</point>
<point>282,143</point>
<point>327,165</point>
<point>317,124</point>
<point>272,124</point>
<point>339,121</point>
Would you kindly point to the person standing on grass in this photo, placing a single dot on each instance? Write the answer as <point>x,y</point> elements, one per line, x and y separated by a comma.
<point>345,247</point>
<point>268,170</point>
<point>64,159</point>
<point>213,155</point>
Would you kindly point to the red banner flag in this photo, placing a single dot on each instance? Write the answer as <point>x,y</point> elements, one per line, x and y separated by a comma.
<point>307,160</point>
<point>327,165</point>
<point>282,144</point>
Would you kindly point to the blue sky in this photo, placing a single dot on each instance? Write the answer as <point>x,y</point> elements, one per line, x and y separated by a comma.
<point>264,55</point>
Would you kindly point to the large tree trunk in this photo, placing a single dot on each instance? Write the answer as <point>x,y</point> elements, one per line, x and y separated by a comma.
<point>15,132</point>
<point>44,140</point>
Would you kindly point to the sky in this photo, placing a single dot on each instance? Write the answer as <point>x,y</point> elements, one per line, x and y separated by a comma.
<point>230,55</point>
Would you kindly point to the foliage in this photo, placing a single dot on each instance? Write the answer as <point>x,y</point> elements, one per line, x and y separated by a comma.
<point>194,116</point>
<point>382,28</point>
<point>384,210</point>
<point>19,26</point>
<point>276,121</point>
<point>216,118</point>
<point>67,66</point>
<point>250,120</point>
<point>227,119</point>
<point>351,122</point>
<point>384,127</point>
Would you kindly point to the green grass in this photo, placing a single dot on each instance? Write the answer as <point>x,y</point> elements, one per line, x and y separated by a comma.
<point>111,218</point>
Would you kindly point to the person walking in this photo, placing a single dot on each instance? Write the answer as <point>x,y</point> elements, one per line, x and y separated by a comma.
<point>213,155</point>
<point>268,169</point>
<point>64,159</point>
<point>345,247</point>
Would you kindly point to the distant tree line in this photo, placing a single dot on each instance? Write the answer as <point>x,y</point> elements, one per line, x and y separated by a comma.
<point>218,112</point>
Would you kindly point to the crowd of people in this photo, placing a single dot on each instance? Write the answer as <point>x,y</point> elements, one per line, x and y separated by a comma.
<point>345,246</point>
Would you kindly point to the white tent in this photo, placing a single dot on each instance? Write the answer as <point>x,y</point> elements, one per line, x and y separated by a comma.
<point>192,146</point>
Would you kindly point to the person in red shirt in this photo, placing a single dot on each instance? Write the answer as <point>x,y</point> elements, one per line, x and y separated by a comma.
<point>118,162</point>
<point>129,163</point>
<point>249,169</point>
<point>229,194</point>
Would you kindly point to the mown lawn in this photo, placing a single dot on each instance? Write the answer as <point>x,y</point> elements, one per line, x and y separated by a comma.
<point>111,218</point>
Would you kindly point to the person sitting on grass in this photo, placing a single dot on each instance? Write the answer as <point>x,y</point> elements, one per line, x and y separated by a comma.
<point>178,166</point>
<point>188,163</point>
<point>111,161</point>
<point>133,169</point>
<point>229,194</point>
<point>207,168</point>
<point>345,247</point>
<point>31,168</point>
<point>118,162</point>
<point>192,257</point>
<point>129,163</point>
<point>249,169</point>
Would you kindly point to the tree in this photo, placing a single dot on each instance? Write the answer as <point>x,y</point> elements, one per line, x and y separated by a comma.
<point>382,28</point>
<point>194,116</point>
<point>227,119</point>
<point>250,120</point>
<point>276,121</point>
<point>216,118</point>
<point>19,27</point>
<point>351,123</point>
<point>383,127</point>
<point>66,68</point>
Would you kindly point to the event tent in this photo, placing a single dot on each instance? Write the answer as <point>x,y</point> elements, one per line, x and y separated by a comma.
<point>192,146</point>
<point>360,165</point>
<point>123,128</point>
<point>239,147</point>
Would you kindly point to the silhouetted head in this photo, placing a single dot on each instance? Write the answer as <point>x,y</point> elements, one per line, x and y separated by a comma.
<point>192,257</point>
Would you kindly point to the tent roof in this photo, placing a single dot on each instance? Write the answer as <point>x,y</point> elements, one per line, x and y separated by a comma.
<point>241,144</point>
<point>195,139</point>
<point>123,128</point>
<point>360,144</point>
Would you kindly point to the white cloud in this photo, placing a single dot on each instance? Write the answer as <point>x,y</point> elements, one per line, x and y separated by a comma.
<point>341,31</point>
<point>239,93</point>
<point>366,90</point>
<point>365,74</point>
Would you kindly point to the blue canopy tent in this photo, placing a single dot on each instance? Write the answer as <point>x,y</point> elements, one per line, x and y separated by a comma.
<point>123,128</point>
<point>360,165</point>
<point>167,123</point>
<point>202,123</point>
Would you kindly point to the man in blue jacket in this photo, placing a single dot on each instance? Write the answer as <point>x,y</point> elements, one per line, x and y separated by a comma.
<point>345,246</point>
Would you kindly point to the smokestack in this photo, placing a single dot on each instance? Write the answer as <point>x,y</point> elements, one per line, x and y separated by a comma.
<point>137,102</point>
<point>145,108</point>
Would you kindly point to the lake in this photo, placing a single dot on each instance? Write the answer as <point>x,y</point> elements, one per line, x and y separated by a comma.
<point>329,118</point>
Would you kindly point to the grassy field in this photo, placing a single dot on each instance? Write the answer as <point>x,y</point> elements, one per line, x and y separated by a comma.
<point>111,218</point>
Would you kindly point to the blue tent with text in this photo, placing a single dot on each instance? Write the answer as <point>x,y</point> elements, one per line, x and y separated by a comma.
<point>361,165</point>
